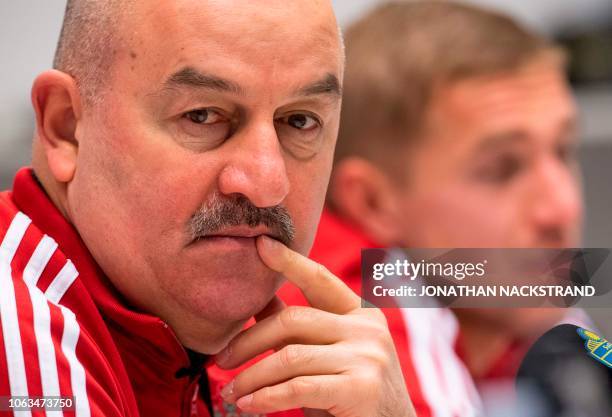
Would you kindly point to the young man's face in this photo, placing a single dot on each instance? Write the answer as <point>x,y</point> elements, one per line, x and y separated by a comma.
<point>495,167</point>
<point>224,106</point>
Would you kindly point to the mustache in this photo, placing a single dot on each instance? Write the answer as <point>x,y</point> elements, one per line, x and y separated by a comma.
<point>219,213</point>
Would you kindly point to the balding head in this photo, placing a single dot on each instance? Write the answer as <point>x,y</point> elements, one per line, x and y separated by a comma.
<point>91,39</point>
<point>88,43</point>
<point>205,102</point>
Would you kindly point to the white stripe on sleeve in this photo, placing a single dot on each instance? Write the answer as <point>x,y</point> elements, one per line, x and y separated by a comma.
<point>46,350</point>
<point>77,372</point>
<point>39,260</point>
<point>13,237</point>
<point>8,310</point>
<point>462,390</point>
<point>12,337</point>
<point>62,281</point>
<point>419,326</point>
<point>42,320</point>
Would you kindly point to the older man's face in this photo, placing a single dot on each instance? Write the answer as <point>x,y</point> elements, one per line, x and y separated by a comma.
<point>216,110</point>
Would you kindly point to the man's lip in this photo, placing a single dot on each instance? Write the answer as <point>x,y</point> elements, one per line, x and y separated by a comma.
<point>241,232</point>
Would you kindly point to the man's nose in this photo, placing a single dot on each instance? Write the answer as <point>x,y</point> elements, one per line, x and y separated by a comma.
<point>256,167</point>
<point>557,204</point>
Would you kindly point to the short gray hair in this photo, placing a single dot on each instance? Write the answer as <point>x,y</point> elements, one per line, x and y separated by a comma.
<point>88,43</point>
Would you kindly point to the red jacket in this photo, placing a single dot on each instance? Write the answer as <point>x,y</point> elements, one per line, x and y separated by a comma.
<point>66,331</point>
<point>437,380</point>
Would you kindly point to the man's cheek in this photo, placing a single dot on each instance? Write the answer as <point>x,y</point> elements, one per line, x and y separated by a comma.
<point>305,200</point>
<point>305,218</point>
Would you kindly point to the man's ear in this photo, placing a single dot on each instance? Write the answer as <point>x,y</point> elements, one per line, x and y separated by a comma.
<point>364,194</point>
<point>57,104</point>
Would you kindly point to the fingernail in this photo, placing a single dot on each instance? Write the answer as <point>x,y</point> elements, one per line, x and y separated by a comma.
<point>228,390</point>
<point>245,401</point>
<point>223,356</point>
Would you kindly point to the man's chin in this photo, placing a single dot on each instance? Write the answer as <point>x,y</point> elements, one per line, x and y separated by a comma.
<point>233,297</point>
<point>211,294</point>
<point>211,325</point>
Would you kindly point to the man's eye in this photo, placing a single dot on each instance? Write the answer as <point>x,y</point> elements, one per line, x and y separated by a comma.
<point>502,170</point>
<point>302,121</point>
<point>203,129</point>
<point>300,134</point>
<point>204,116</point>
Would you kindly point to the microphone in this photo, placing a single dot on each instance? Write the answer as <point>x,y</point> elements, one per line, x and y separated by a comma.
<point>567,373</point>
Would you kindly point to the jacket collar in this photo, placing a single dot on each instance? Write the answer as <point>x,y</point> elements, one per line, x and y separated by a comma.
<point>338,245</point>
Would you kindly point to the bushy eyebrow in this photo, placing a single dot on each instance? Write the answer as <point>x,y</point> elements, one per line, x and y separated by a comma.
<point>190,77</point>
<point>567,127</point>
<point>328,85</point>
<point>498,140</point>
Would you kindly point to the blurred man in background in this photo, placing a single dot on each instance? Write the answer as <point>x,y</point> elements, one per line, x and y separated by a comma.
<point>458,130</point>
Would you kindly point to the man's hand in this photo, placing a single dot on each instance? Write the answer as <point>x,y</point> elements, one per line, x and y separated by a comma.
<point>333,356</point>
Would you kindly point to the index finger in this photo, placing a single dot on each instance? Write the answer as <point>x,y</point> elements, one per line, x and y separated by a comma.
<point>322,289</point>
